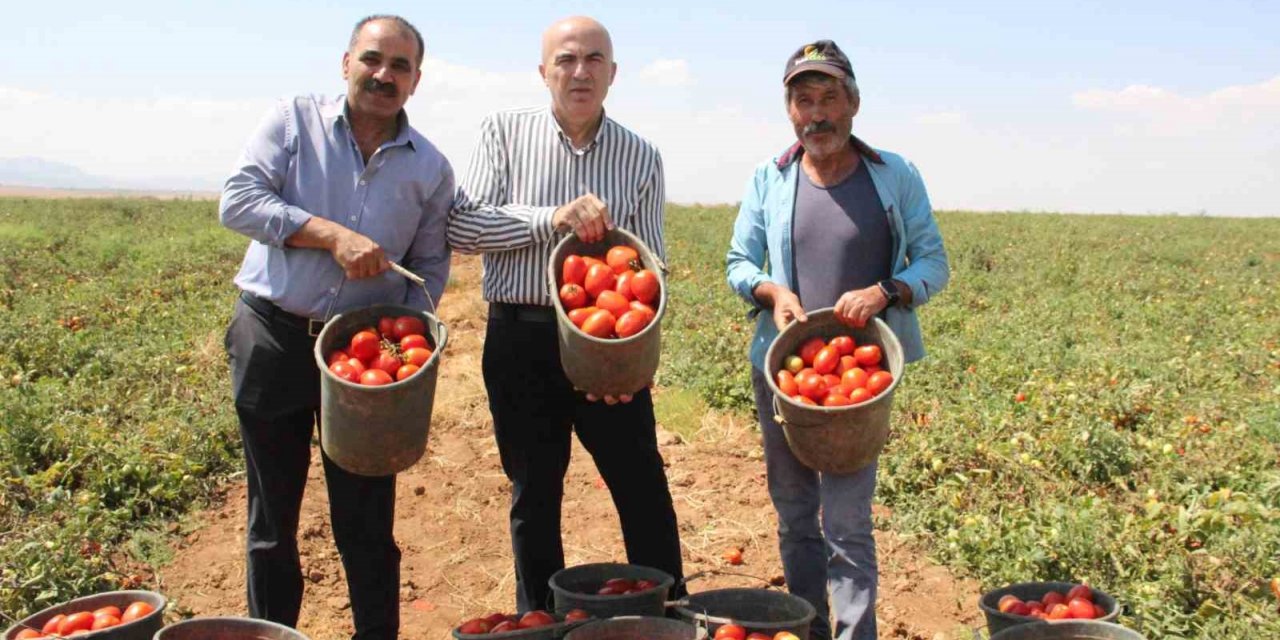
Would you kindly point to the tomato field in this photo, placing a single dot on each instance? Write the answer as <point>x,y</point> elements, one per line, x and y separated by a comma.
<point>1100,403</point>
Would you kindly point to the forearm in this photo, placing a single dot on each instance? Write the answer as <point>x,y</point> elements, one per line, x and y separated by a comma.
<point>317,233</point>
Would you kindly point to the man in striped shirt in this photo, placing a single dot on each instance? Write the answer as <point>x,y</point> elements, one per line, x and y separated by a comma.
<point>537,172</point>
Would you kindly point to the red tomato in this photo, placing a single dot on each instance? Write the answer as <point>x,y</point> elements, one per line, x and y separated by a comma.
<point>645,585</point>
<point>1080,591</point>
<point>76,621</point>
<point>343,370</point>
<point>622,258</point>
<point>1098,611</point>
<point>812,386</point>
<point>809,350</point>
<point>104,620</point>
<point>832,380</point>
<point>496,618</point>
<point>365,345</point>
<point>536,619</point>
<point>631,323</point>
<point>1033,606</point>
<point>373,378</point>
<point>636,305</point>
<point>756,635</point>
<point>803,399</point>
<point>872,368</point>
<point>1059,611</point>
<point>613,302</point>
<point>387,327</point>
<point>1052,598</point>
<point>504,626</point>
<point>387,362</point>
<point>730,631</point>
<point>407,326</point>
<point>592,261</point>
<point>1007,601</point>
<point>624,284</point>
<point>860,395</point>
<point>854,378</point>
<point>826,360</point>
<point>878,382</point>
<point>843,344</point>
<point>413,340</point>
<point>573,296</point>
<point>28,634</point>
<point>599,278</point>
<point>405,371</point>
<point>1080,608</point>
<point>416,356</point>
<point>621,584</point>
<point>579,316</point>
<point>787,383</point>
<point>111,609</point>
<point>574,271</point>
<point>338,355</point>
<point>600,324</point>
<point>357,366</point>
<point>645,286</point>
<point>867,354</point>
<point>475,626</point>
<point>575,615</point>
<point>51,625</point>
<point>836,399</point>
<point>846,363</point>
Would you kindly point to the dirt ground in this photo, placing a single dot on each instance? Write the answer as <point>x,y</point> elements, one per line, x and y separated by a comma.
<point>451,521</point>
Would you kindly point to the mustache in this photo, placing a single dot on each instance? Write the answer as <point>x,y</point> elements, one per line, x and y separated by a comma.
<point>819,127</point>
<point>385,88</point>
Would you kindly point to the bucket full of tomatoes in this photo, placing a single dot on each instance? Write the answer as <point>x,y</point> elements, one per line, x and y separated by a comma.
<point>833,389</point>
<point>609,298</point>
<point>377,386</point>
<point>113,615</point>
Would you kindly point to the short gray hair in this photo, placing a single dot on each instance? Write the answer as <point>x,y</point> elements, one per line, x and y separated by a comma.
<point>400,22</point>
<point>849,83</point>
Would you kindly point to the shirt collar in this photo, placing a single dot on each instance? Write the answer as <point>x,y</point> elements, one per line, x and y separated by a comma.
<point>595,142</point>
<point>339,111</point>
<point>796,150</point>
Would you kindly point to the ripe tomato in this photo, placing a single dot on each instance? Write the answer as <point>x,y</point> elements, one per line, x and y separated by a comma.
<point>475,626</point>
<point>872,368</point>
<point>636,305</point>
<point>1033,606</point>
<point>574,271</point>
<point>365,345</point>
<point>407,326</point>
<point>733,555</point>
<point>1052,598</point>
<point>600,324</point>
<point>357,366</point>
<point>809,350</point>
<point>1080,608</point>
<point>387,362</point>
<point>1059,611</point>
<point>879,381</point>
<point>28,634</point>
<point>599,278</point>
<point>860,395</point>
<point>645,286</point>
<point>575,615</point>
<point>622,258</point>
<point>803,399</point>
<point>756,635</point>
<point>536,619</point>
<point>372,378</point>
<point>832,380</point>
<point>104,620</point>
<point>579,316</point>
<point>51,625</point>
<point>76,621</point>
<point>631,323</point>
<point>573,296</point>
<point>613,302</point>
<point>846,363</point>
<point>621,584</point>
<point>496,618</point>
<point>413,340</point>
<point>624,284</point>
<point>1098,611</point>
<point>843,344</point>
<point>111,609</point>
<point>787,383</point>
<point>416,356</point>
<point>785,635</point>
<point>344,370</point>
<point>867,354</point>
<point>812,386</point>
<point>337,355</point>
<point>387,327</point>
<point>1006,602</point>
<point>826,360</point>
<point>645,585</point>
<point>836,399</point>
<point>504,626</point>
<point>405,371</point>
<point>854,378</point>
<point>1080,591</point>
<point>731,631</point>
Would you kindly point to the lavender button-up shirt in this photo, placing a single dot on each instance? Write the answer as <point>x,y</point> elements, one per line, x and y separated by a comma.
<point>302,162</point>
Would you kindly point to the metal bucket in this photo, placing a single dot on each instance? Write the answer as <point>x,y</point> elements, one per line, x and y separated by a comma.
<point>837,440</point>
<point>575,588</point>
<point>762,610</point>
<point>141,629</point>
<point>1068,630</point>
<point>998,621</point>
<point>637,628</point>
<point>228,628</point>
<point>607,367</point>
<point>376,431</point>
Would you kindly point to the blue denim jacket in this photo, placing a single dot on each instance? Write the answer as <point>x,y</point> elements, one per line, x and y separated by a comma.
<point>761,248</point>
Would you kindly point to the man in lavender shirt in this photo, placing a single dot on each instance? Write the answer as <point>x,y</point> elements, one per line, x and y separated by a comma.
<point>330,191</point>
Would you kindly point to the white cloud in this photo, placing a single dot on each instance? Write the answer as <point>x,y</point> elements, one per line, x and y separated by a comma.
<point>1161,111</point>
<point>666,73</point>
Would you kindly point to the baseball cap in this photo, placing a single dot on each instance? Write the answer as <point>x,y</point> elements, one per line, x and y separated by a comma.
<point>822,56</point>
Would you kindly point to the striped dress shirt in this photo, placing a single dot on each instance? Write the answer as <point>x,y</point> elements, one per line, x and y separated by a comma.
<point>523,169</point>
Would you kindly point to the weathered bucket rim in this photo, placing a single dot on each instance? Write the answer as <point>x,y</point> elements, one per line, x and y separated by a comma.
<point>554,278</point>
<point>665,583</point>
<point>822,314</point>
<point>807,618</point>
<point>395,384</point>
<point>190,622</point>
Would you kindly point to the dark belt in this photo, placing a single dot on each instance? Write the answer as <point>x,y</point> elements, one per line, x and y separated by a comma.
<point>521,312</point>
<point>270,311</point>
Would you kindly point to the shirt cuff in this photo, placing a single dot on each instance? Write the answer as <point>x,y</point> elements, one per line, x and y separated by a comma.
<point>540,226</point>
<point>290,222</point>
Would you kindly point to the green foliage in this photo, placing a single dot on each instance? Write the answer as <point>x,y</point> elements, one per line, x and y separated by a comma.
<point>113,383</point>
<point>1146,457</point>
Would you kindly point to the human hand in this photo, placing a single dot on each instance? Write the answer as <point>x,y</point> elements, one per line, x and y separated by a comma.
<point>586,216</point>
<point>854,308</point>
<point>787,307</point>
<point>359,256</point>
<point>612,400</point>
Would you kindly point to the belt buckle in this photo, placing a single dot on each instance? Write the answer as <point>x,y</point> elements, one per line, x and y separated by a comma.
<point>314,327</point>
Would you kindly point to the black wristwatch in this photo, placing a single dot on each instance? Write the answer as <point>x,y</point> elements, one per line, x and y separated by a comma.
<point>890,291</point>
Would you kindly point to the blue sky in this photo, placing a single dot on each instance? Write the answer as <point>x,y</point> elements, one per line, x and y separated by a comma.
<point>1081,106</point>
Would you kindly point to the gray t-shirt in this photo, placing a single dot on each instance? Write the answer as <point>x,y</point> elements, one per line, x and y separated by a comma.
<point>841,238</point>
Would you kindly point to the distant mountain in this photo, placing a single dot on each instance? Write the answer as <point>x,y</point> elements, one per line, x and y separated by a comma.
<point>38,172</point>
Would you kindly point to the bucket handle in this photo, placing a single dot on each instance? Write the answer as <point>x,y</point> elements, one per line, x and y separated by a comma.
<point>419,281</point>
<point>777,413</point>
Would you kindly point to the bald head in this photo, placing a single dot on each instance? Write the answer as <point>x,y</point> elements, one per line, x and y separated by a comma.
<point>576,28</point>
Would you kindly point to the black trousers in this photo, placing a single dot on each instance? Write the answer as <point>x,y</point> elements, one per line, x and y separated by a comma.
<point>535,410</point>
<point>277,397</point>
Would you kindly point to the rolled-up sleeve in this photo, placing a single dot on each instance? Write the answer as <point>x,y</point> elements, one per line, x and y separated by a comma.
<point>749,246</point>
<point>928,270</point>
<point>428,256</point>
<point>251,203</point>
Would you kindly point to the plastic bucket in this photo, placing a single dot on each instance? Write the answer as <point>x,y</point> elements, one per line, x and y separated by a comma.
<point>141,629</point>
<point>637,628</point>
<point>228,628</point>
<point>998,621</point>
<point>1068,630</point>
<point>376,431</point>
<point>837,440</point>
<point>762,610</point>
<point>607,367</point>
<point>575,588</point>
<point>547,632</point>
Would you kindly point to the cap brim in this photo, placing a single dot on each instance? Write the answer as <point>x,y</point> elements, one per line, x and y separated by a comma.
<point>820,67</point>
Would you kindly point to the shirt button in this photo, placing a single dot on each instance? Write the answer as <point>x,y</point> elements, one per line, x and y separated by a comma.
<point>353,218</point>
<point>333,289</point>
<point>363,181</point>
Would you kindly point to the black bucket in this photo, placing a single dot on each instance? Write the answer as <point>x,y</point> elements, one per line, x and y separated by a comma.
<point>141,629</point>
<point>545,632</point>
<point>228,628</point>
<point>998,621</point>
<point>637,628</point>
<point>1068,630</point>
<point>763,610</point>
<point>575,588</point>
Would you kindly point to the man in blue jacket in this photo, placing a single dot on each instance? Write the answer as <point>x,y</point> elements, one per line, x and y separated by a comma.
<point>838,224</point>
